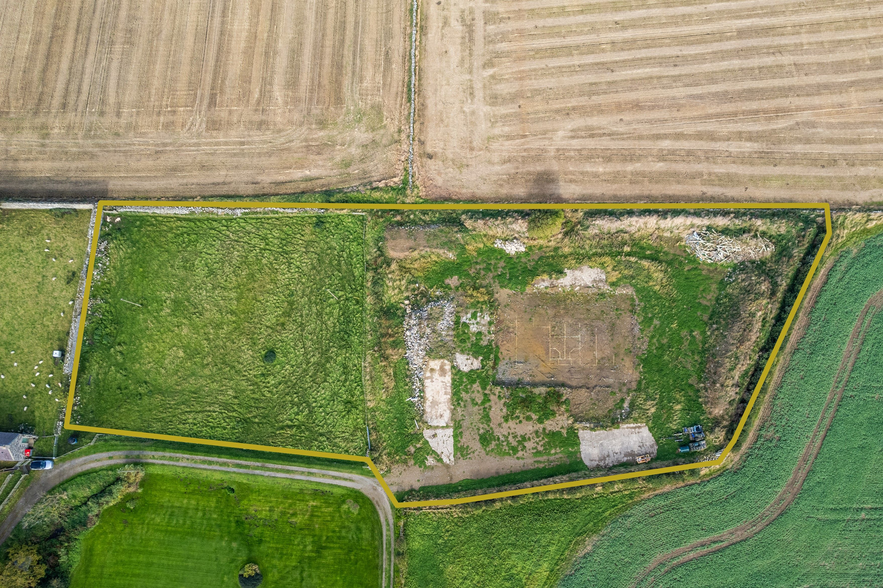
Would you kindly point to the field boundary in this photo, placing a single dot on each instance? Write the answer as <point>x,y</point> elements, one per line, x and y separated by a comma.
<point>464,206</point>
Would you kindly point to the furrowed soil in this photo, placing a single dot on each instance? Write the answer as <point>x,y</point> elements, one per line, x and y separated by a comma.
<point>562,100</point>
<point>199,97</point>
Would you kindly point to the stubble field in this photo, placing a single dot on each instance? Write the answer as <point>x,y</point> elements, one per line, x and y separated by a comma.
<point>111,99</point>
<point>680,99</point>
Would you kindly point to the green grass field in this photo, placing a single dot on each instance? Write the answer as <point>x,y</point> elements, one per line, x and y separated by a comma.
<point>195,528</point>
<point>504,544</point>
<point>188,530</point>
<point>36,288</point>
<point>832,534</point>
<point>244,329</point>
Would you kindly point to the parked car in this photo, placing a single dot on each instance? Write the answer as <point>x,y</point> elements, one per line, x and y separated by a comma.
<point>41,464</point>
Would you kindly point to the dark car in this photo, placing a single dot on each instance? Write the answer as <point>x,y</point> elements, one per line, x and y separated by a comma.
<point>41,464</point>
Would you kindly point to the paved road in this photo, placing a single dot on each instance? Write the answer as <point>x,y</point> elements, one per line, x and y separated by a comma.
<point>47,480</point>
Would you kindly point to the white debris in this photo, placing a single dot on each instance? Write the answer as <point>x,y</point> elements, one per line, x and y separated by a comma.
<point>70,260</point>
<point>712,247</point>
<point>15,364</point>
<point>511,247</point>
<point>47,385</point>
<point>45,250</point>
<point>37,374</point>
<point>481,322</point>
<point>2,377</point>
<point>49,240</point>
<point>442,442</point>
<point>581,277</point>
<point>71,302</point>
<point>418,337</point>
<point>53,259</point>
<point>12,352</point>
<point>50,375</point>
<point>614,446</point>
<point>33,385</point>
<point>56,400</point>
<point>467,363</point>
<point>26,408</point>
<point>53,278</point>
<point>24,396</point>
<point>39,362</point>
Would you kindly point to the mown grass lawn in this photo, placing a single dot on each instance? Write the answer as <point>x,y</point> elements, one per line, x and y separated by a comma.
<point>198,528</point>
<point>36,289</point>
<point>245,329</point>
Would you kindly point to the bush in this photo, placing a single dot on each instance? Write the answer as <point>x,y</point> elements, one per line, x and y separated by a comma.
<point>543,224</point>
<point>250,576</point>
<point>24,569</point>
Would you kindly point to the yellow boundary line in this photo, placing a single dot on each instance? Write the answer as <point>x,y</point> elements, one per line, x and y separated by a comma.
<point>367,460</point>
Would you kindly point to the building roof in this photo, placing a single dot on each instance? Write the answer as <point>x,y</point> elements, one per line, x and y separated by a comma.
<point>11,447</point>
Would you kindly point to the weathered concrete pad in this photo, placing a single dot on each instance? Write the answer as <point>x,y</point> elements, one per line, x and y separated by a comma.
<point>437,405</point>
<point>607,448</point>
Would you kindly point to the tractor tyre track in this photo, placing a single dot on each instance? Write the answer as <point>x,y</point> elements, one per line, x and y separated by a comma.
<point>792,488</point>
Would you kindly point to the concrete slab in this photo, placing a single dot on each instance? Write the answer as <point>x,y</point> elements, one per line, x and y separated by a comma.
<point>607,448</point>
<point>437,405</point>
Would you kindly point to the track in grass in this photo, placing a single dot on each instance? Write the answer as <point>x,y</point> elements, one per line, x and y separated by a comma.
<point>665,563</point>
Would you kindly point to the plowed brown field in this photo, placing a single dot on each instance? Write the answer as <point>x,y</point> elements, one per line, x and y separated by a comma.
<point>624,100</point>
<point>192,97</point>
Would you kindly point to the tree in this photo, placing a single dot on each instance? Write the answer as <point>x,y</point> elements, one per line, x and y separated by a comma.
<point>23,570</point>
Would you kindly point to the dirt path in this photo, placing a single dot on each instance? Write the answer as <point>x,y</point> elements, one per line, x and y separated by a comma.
<point>667,562</point>
<point>64,471</point>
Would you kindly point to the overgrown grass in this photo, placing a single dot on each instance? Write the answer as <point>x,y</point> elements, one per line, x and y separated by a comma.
<point>198,528</point>
<point>509,543</point>
<point>35,311</point>
<point>187,311</point>
<point>827,536</point>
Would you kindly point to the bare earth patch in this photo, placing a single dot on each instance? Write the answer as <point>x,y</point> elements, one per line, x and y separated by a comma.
<point>608,448</point>
<point>574,340</point>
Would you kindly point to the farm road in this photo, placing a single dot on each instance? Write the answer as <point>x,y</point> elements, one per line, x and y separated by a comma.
<point>666,562</point>
<point>66,470</point>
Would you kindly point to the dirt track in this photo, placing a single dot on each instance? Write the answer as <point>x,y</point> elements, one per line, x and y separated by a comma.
<point>66,470</point>
<point>103,98</point>
<point>665,563</point>
<point>669,99</point>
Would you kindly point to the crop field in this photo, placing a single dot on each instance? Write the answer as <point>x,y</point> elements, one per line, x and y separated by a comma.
<point>801,508</point>
<point>590,321</point>
<point>41,257</point>
<point>195,97</point>
<point>465,547</point>
<point>185,527</point>
<point>245,329</point>
<point>565,99</point>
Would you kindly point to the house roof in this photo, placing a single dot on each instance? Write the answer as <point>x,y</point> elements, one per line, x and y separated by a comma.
<point>11,447</point>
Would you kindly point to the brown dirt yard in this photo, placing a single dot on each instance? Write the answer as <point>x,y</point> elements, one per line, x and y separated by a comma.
<point>569,99</point>
<point>200,97</point>
<point>570,339</point>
